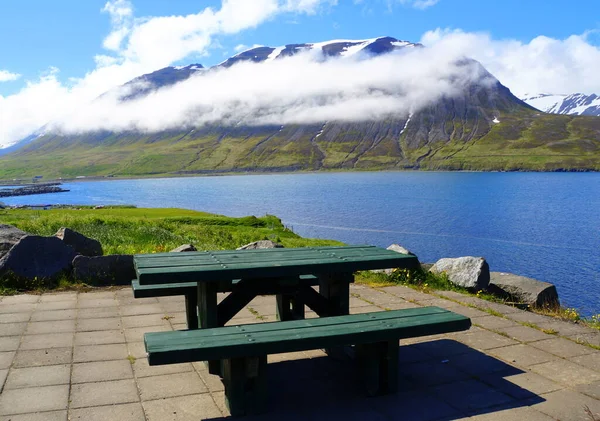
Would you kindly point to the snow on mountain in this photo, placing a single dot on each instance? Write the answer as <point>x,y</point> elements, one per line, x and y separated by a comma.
<point>576,104</point>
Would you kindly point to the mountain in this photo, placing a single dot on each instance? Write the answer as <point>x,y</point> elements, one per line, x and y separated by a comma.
<point>574,104</point>
<point>481,127</point>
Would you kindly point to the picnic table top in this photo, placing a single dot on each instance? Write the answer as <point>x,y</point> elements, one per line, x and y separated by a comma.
<point>212,266</point>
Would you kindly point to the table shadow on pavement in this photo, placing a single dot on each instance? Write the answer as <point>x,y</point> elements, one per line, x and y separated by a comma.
<point>440,379</point>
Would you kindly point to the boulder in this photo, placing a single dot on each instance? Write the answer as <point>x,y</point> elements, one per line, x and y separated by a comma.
<point>115,269</point>
<point>262,244</point>
<point>398,249</point>
<point>9,236</point>
<point>523,290</point>
<point>35,257</point>
<point>467,272</point>
<point>80,243</point>
<point>184,247</point>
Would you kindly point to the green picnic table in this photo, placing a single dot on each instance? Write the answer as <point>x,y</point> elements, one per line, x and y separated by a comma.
<point>239,353</point>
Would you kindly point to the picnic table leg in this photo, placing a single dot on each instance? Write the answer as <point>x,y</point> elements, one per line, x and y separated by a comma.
<point>207,313</point>
<point>335,288</point>
<point>245,381</point>
<point>380,366</point>
<point>289,307</point>
<point>191,310</point>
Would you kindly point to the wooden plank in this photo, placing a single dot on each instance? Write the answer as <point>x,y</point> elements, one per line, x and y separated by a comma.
<point>187,346</point>
<point>208,316</point>
<point>263,270</point>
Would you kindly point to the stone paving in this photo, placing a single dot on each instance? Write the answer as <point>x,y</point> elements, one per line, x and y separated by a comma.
<point>80,356</point>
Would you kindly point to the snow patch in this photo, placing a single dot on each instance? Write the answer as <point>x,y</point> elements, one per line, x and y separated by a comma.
<point>275,53</point>
<point>406,124</point>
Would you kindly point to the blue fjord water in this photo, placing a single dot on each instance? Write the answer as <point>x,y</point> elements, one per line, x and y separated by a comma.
<point>542,225</point>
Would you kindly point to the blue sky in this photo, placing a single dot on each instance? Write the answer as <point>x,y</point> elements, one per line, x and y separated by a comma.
<point>67,34</point>
<point>58,56</point>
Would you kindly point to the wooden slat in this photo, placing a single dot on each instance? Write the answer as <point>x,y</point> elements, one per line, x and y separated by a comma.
<point>298,335</point>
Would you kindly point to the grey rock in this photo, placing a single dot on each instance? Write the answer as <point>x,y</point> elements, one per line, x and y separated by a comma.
<point>184,247</point>
<point>398,249</point>
<point>467,272</point>
<point>83,245</point>
<point>115,269</point>
<point>262,244</point>
<point>9,236</point>
<point>38,257</point>
<point>523,290</point>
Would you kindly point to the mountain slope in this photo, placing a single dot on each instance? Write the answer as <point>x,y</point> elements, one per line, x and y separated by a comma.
<point>575,104</point>
<point>482,127</point>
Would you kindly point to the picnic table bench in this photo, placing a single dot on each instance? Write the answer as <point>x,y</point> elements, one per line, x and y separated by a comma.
<point>239,353</point>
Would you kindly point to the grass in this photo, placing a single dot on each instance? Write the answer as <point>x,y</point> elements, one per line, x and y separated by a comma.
<point>129,230</point>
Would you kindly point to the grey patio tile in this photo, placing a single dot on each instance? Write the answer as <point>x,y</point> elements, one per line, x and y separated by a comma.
<point>478,364</point>
<point>179,299</point>
<point>43,357</point>
<point>138,310</point>
<point>107,323</point>
<point>528,317</point>
<point>137,350</point>
<point>563,347</point>
<point>121,412</point>
<point>565,328</point>
<point>567,405</point>
<point>521,385</point>
<point>12,329</point>
<point>130,300</point>
<point>182,408</point>
<point>183,326</point>
<point>566,372</point>
<point>3,375</point>
<point>61,296</point>
<point>38,376</point>
<point>99,371</point>
<point>34,399</point>
<point>99,353</point>
<point>358,302</point>
<point>484,340</point>
<point>170,385</point>
<point>6,359</point>
<point>146,320</point>
<point>9,343</point>
<point>522,355</point>
<point>137,334</point>
<point>430,373</point>
<point>56,305</point>
<point>142,369</point>
<point>99,337</point>
<point>214,383</point>
<point>367,309</point>
<point>591,389</point>
<point>524,333</point>
<point>14,317</point>
<point>440,302</point>
<point>103,393</point>
<point>97,303</point>
<point>470,395</point>
<point>38,416</point>
<point>42,316</point>
<point>17,308</point>
<point>96,295</point>
<point>512,414</point>
<point>591,361</point>
<point>98,313</point>
<point>45,341</point>
<point>493,322</point>
<point>173,307</point>
<point>414,406</point>
<point>587,338</point>
<point>20,299</point>
<point>469,311</point>
<point>56,326</point>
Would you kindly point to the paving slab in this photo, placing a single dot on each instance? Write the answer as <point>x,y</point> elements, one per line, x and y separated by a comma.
<point>62,296</point>
<point>48,315</point>
<point>99,337</point>
<point>34,399</point>
<point>14,317</point>
<point>524,333</point>
<point>121,412</point>
<point>98,313</point>
<point>57,305</point>
<point>105,323</point>
<point>9,343</point>
<point>590,389</point>
<point>37,416</point>
<point>566,372</point>
<point>591,361</point>
<point>493,322</point>
<point>12,329</point>
<point>141,368</point>
<point>103,393</point>
<point>568,405</point>
<point>20,299</point>
<point>182,408</point>
<point>47,340</point>
<point>564,348</point>
<point>170,385</point>
<point>55,326</point>
<point>522,355</point>
<point>89,353</point>
<point>99,371</point>
<point>42,357</point>
<point>38,376</point>
<point>471,395</point>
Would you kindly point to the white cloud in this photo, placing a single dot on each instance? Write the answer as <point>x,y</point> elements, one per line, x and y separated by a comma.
<point>6,76</point>
<point>417,4</point>
<point>301,89</point>
<point>136,46</point>
<point>542,65</point>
